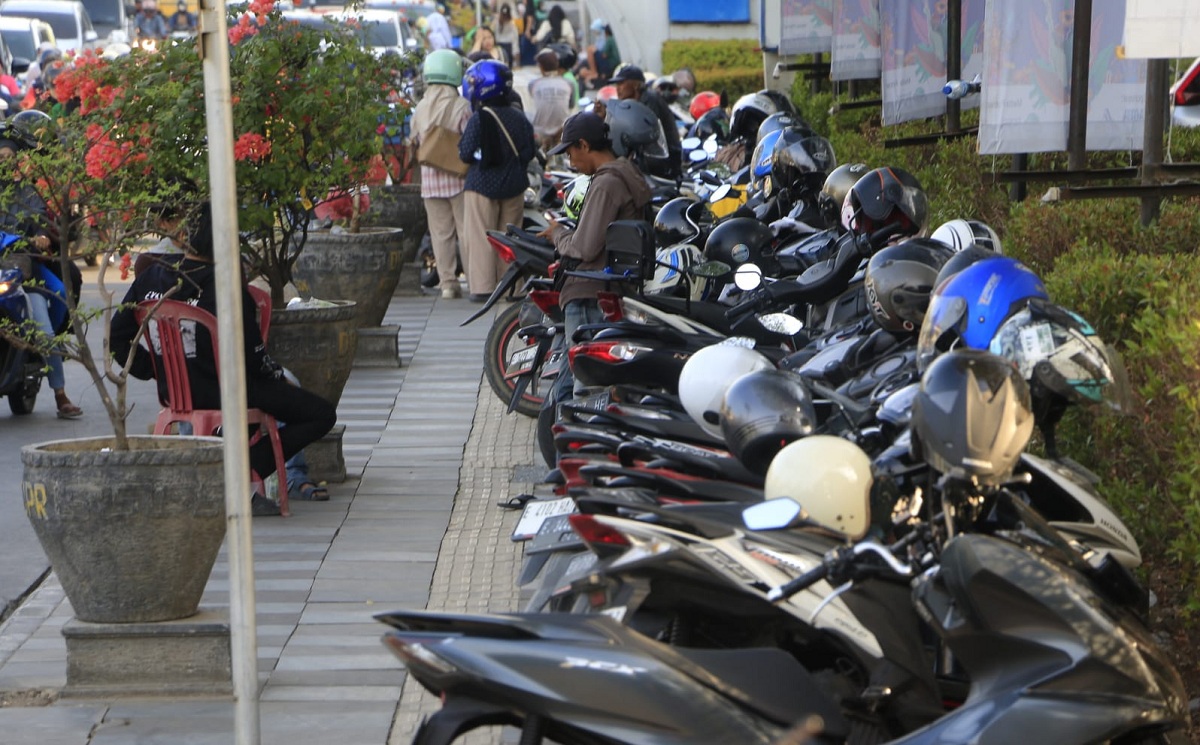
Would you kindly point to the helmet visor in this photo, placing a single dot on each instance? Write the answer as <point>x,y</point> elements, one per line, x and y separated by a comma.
<point>944,321</point>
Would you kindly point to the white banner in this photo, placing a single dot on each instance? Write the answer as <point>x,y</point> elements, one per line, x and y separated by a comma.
<point>914,56</point>
<point>1162,28</point>
<point>855,40</point>
<point>1027,79</point>
<point>806,26</point>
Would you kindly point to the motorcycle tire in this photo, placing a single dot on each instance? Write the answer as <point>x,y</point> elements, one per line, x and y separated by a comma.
<point>502,342</point>
<point>21,402</point>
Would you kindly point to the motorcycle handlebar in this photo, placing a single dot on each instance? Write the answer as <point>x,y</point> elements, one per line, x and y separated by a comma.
<point>840,559</point>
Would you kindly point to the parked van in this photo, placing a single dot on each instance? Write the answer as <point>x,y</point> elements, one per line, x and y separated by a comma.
<point>23,37</point>
<point>68,18</point>
<point>110,20</point>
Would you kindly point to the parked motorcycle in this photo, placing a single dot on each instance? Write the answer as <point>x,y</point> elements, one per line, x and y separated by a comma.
<point>21,370</point>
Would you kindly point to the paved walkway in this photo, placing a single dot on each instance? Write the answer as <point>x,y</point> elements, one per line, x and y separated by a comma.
<point>414,526</point>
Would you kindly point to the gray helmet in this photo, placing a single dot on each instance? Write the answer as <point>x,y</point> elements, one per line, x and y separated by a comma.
<point>762,412</point>
<point>635,130</point>
<point>899,280</point>
<point>837,185</point>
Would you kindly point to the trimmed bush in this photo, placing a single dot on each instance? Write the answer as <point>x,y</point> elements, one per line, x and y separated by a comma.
<point>710,54</point>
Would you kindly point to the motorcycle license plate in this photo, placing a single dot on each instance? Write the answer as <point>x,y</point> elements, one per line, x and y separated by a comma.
<point>539,511</point>
<point>520,362</point>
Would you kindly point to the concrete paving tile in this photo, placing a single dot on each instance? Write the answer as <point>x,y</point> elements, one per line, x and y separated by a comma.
<point>382,660</point>
<point>331,693</point>
<point>350,554</point>
<point>335,642</point>
<point>370,628</point>
<point>414,593</point>
<point>320,678</point>
<point>51,725</point>
<point>345,570</point>
<point>335,612</point>
<point>15,676</point>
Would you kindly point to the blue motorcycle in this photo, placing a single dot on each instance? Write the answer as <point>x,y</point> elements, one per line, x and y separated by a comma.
<point>21,370</point>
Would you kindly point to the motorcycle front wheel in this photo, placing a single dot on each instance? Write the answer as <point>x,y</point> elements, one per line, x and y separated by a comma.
<point>502,344</point>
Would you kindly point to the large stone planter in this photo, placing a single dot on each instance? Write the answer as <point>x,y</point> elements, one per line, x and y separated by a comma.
<point>317,345</point>
<point>364,267</point>
<point>400,206</point>
<point>132,535</point>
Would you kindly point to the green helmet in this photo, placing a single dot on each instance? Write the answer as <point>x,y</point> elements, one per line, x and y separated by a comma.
<point>443,66</point>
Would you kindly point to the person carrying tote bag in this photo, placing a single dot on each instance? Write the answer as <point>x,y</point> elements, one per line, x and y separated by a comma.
<point>442,114</point>
<point>497,144</point>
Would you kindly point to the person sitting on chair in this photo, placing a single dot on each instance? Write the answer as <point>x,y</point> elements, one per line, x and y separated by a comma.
<point>308,416</point>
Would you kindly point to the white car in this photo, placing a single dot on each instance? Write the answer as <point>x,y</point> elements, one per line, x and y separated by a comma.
<point>68,18</point>
<point>1185,98</point>
<point>382,31</point>
<point>23,37</point>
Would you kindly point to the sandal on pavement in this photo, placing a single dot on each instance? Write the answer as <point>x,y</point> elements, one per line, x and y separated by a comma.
<point>66,409</point>
<point>260,506</point>
<point>309,492</point>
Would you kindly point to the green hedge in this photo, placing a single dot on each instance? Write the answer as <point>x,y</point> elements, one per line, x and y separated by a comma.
<point>709,54</point>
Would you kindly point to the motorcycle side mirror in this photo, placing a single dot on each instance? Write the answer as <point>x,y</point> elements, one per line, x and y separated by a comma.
<point>781,323</point>
<point>747,277</point>
<point>720,193</point>
<point>710,145</point>
<point>774,514</point>
<point>697,156</point>
<point>711,269</point>
<point>584,103</point>
<point>690,143</point>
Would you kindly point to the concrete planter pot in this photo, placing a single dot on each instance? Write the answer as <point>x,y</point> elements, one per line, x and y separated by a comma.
<point>132,535</point>
<point>400,206</point>
<point>364,267</point>
<point>317,345</point>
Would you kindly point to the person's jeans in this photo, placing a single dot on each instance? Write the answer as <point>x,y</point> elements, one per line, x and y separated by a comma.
<point>575,314</point>
<point>40,307</point>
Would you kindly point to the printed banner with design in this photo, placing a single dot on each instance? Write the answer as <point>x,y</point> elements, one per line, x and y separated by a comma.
<point>855,40</point>
<point>806,26</point>
<point>914,56</point>
<point>1027,79</point>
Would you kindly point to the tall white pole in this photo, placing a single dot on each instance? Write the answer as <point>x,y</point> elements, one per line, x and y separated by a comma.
<point>218,106</point>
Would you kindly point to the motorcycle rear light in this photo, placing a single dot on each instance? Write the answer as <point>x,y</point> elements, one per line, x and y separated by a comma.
<point>610,352</point>
<point>416,654</point>
<point>504,252</point>
<point>610,306</point>
<point>592,531</point>
<point>545,300</point>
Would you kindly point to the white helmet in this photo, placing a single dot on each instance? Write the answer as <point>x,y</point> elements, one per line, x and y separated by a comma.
<point>573,199</point>
<point>708,373</point>
<point>958,234</point>
<point>830,478</point>
<point>672,263</point>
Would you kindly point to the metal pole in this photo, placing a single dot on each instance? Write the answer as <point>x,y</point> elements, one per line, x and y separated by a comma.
<point>214,50</point>
<point>953,61</point>
<point>1152,134</point>
<point>478,13</point>
<point>1016,190</point>
<point>586,27</point>
<point>1081,47</point>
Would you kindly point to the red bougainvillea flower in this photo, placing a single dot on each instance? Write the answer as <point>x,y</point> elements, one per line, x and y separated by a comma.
<point>243,29</point>
<point>251,146</point>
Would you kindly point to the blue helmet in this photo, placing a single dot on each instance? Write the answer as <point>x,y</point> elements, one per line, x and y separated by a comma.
<point>485,80</point>
<point>763,152</point>
<point>970,306</point>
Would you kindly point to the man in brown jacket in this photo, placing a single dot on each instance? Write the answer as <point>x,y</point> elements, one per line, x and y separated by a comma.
<point>618,191</point>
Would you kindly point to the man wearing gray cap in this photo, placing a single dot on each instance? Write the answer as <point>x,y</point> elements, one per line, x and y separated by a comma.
<point>631,84</point>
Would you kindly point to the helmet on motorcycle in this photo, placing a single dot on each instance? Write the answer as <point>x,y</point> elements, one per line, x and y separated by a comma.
<point>444,67</point>
<point>886,198</point>
<point>738,240</point>
<point>712,122</point>
<point>573,199</point>
<point>606,93</point>
<point>1059,353</point>
<point>707,374</point>
<point>685,80</point>
<point>972,304</point>
<point>958,234</point>
<point>830,478</point>
<point>566,56</point>
<point>485,80</point>
<point>671,272</point>
<point>635,130</point>
<point>833,193</point>
<point>678,221</point>
<point>762,412</point>
<point>775,122</point>
<point>972,416</point>
<point>29,127</point>
<point>760,162</point>
<point>748,114</point>
<point>667,88</point>
<point>800,161</point>
<point>963,259</point>
<point>703,102</point>
<point>899,280</point>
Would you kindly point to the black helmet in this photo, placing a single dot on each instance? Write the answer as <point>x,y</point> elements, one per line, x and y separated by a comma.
<point>899,280</point>
<point>712,122</point>
<point>761,412</point>
<point>738,240</point>
<point>972,416</point>
<point>963,259</point>
<point>679,220</point>
<point>29,127</point>
<point>833,193</point>
<point>782,101</point>
<point>800,161</point>
<point>777,121</point>
<point>748,115</point>
<point>635,130</point>
<point>566,55</point>
<point>888,198</point>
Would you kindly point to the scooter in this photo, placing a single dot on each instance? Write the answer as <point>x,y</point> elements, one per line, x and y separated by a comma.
<point>21,370</point>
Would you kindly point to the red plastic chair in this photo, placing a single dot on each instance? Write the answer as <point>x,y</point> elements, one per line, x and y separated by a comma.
<point>167,324</point>
<point>262,306</point>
